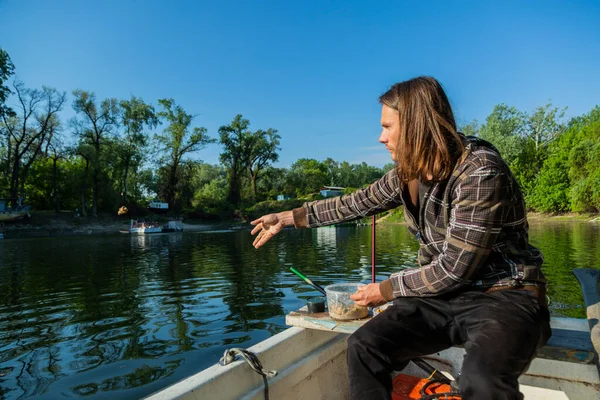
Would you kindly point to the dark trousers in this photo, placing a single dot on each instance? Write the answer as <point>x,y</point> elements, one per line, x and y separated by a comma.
<point>500,332</point>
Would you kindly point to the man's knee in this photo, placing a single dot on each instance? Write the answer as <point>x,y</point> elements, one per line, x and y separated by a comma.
<point>479,381</point>
<point>356,343</point>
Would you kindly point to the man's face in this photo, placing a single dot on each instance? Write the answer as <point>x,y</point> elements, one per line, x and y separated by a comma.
<point>390,124</point>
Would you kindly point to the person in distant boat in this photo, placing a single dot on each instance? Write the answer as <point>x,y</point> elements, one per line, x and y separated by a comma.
<point>479,282</point>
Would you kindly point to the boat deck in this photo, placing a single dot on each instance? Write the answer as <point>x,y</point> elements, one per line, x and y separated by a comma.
<point>570,339</point>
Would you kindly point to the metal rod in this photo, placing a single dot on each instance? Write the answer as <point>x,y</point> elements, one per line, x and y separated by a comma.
<point>373,250</point>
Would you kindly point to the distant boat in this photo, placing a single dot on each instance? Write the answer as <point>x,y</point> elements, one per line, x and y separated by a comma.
<point>10,214</point>
<point>145,227</point>
<point>158,207</point>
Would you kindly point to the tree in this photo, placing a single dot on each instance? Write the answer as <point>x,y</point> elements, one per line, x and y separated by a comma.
<point>565,181</point>
<point>504,128</point>
<point>470,129</point>
<point>209,184</point>
<point>55,151</point>
<point>136,116</point>
<point>365,174</point>
<point>262,152</point>
<point>308,176</point>
<point>235,140</point>
<point>544,125</point>
<point>388,167</point>
<point>552,185</point>
<point>333,171</point>
<point>274,182</point>
<point>94,124</point>
<point>7,68</point>
<point>177,141</point>
<point>345,174</point>
<point>541,128</point>
<point>27,131</point>
<point>86,152</point>
<point>584,171</point>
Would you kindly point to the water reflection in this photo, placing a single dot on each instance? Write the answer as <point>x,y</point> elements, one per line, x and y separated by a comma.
<point>122,316</point>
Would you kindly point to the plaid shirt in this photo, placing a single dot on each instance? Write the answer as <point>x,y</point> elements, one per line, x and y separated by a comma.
<point>472,227</point>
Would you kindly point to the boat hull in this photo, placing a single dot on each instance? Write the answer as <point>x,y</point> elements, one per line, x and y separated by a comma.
<point>145,231</point>
<point>144,228</point>
<point>11,216</point>
<point>311,364</point>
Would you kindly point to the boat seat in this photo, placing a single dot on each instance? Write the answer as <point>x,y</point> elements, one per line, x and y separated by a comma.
<point>570,339</point>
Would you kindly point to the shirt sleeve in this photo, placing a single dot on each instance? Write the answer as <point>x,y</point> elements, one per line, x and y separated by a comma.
<point>381,195</point>
<point>480,201</point>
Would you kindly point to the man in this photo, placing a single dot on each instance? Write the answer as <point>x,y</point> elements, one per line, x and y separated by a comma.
<point>479,282</point>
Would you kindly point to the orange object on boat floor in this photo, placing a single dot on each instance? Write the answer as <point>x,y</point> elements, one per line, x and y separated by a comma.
<point>407,387</point>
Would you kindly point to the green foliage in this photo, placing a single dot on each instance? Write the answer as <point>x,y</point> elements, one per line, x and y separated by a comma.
<point>551,187</point>
<point>470,129</point>
<point>270,206</point>
<point>527,144</point>
<point>177,140</point>
<point>95,125</point>
<point>504,128</point>
<point>211,198</point>
<point>526,166</point>
<point>262,153</point>
<point>274,182</point>
<point>27,132</point>
<point>344,174</point>
<point>544,125</point>
<point>584,171</point>
<point>307,175</point>
<point>115,159</point>
<point>235,140</point>
<point>136,117</point>
<point>6,70</point>
<point>395,216</point>
<point>247,156</point>
<point>388,167</point>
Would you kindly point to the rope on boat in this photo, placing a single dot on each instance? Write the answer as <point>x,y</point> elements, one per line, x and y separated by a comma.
<point>437,396</point>
<point>252,360</point>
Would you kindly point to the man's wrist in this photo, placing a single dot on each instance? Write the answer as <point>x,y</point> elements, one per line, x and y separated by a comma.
<point>385,288</point>
<point>286,218</point>
<point>299,217</point>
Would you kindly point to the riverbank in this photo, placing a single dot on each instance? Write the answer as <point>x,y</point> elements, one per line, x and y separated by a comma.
<point>533,217</point>
<point>43,224</point>
<point>46,223</point>
<point>584,217</point>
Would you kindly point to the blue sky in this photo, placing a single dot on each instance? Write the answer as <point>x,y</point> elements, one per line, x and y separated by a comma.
<point>311,69</point>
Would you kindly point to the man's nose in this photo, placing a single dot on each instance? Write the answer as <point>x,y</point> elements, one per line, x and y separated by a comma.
<point>383,138</point>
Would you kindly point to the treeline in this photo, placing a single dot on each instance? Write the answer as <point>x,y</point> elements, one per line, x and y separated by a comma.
<point>127,152</point>
<point>556,162</point>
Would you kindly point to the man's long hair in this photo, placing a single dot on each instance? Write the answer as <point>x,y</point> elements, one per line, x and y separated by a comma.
<point>428,145</point>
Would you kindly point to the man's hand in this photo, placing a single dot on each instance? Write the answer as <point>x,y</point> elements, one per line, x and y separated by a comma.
<point>269,225</point>
<point>368,296</point>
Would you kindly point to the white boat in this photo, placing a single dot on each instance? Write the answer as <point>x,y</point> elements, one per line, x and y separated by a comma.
<point>158,207</point>
<point>8,214</point>
<point>145,227</point>
<point>311,362</point>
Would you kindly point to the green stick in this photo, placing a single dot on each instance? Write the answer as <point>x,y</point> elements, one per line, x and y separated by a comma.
<point>311,283</point>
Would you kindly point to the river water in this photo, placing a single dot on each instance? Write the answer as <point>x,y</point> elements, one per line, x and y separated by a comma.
<point>121,317</point>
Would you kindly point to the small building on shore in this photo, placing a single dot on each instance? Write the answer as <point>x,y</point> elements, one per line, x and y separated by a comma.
<point>158,207</point>
<point>331,191</point>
